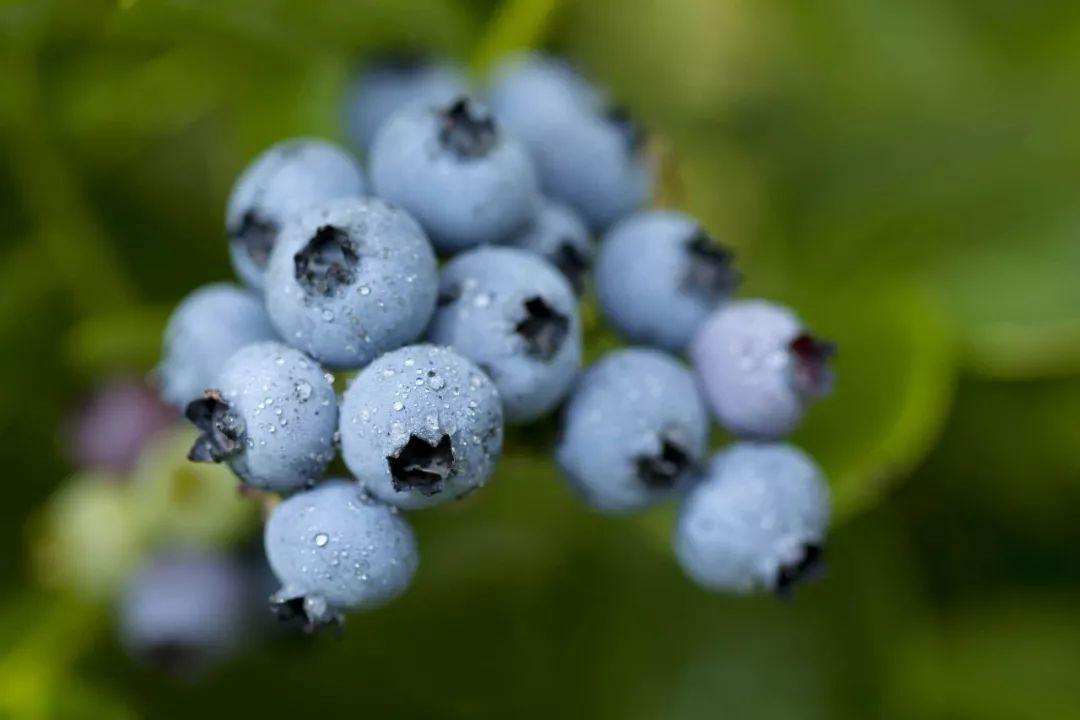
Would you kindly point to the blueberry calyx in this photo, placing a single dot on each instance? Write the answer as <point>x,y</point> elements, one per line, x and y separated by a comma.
<point>311,609</point>
<point>572,263</point>
<point>543,328</point>
<point>221,429</point>
<point>709,272</point>
<point>327,263</point>
<point>812,374</point>
<point>662,470</point>
<point>174,657</point>
<point>422,466</point>
<point>809,566</point>
<point>633,133</point>
<point>467,130</point>
<point>256,236</point>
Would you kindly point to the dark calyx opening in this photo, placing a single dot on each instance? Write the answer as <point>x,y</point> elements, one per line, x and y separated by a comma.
<point>421,466</point>
<point>663,470</point>
<point>467,130</point>
<point>543,328</point>
<point>709,268</point>
<point>813,376</point>
<point>633,133</point>
<point>810,566</point>
<point>312,615</point>
<point>174,657</point>
<point>221,430</point>
<point>573,263</point>
<point>256,235</point>
<point>327,263</point>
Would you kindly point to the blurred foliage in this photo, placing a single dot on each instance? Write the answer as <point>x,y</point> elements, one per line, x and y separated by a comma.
<point>902,171</point>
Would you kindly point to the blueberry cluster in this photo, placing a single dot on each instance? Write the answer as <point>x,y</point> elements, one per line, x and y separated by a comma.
<point>444,286</point>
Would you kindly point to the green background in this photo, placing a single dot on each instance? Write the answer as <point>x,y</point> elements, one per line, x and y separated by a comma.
<point>904,172</point>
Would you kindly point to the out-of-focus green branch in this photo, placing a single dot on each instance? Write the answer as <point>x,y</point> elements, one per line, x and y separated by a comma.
<point>74,247</point>
<point>518,25</point>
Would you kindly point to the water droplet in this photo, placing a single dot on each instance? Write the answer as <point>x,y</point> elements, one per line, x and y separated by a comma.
<point>303,390</point>
<point>365,290</point>
<point>435,382</point>
<point>399,405</point>
<point>321,539</point>
<point>328,315</point>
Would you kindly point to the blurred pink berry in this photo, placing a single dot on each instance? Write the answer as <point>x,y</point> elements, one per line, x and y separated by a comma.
<point>117,420</point>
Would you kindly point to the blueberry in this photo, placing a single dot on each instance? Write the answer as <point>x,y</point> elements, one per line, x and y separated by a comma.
<point>529,90</point>
<point>633,431</point>
<point>421,425</point>
<point>206,328</point>
<point>559,235</point>
<point>335,549</point>
<point>114,425</point>
<point>760,368</point>
<point>392,84</point>
<point>281,182</point>
<point>516,317</point>
<point>757,520</point>
<point>272,416</point>
<point>350,280</point>
<point>591,159</point>
<point>456,171</point>
<point>658,276</point>
<point>184,612</point>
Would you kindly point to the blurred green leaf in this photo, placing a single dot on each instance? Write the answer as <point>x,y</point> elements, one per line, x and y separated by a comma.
<point>895,373</point>
<point>125,340</point>
<point>1009,658</point>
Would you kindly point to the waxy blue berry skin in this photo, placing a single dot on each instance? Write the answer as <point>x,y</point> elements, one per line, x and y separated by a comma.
<point>350,280</point>
<point>466,181</point>
<point>271,415</point>
<point>184,612</point>
<point>559,235</point>
<point>633,431</point>
<point>335,549</point>
<point>757,520</point>
<point>530,90</point>
<point>205,329</point>
<point>595,163</point>
<point>283,181</point>
<point>384,88</point>
<point>760,368</point>
<point>420,426</point>
<point>516,317</point>
<point>658,276</point>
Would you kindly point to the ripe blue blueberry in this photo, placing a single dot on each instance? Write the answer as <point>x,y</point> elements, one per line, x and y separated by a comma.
<point>184,612</point>
<point>659,275</point>
<point>757,520</point>
<point>516,317</point>
<point>205,329</point>
<point>420,426</point>
<point>335,550</point>
<point>633,431</point>
<point>593,161</point>
<point>271,415</point>
<point>559,235</point>
<point>760,368</point>
<point>350,280</point>
<point>390,85</point>
<point>530,90</point>
<point>453,168</point>
<point>280,183</point>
